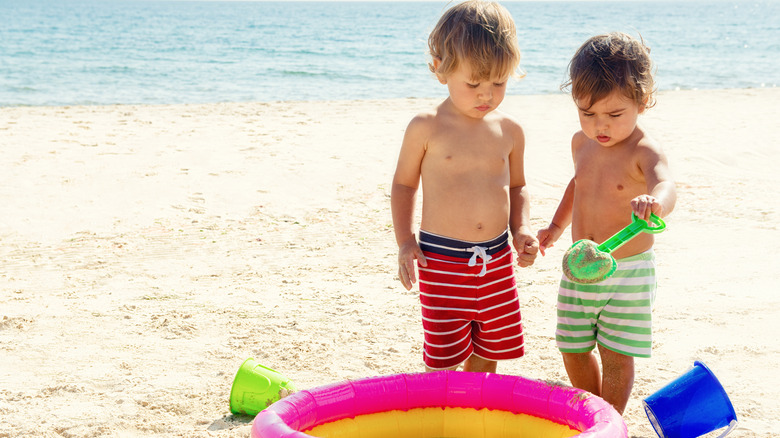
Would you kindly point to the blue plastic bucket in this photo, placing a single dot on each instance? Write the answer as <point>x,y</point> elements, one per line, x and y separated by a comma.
<point>690,406</point>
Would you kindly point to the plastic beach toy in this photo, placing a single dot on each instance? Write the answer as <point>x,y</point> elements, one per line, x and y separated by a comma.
<point>256,387</point>
<point>440,404</point>
<point>692,405</point>
<point>588,262</point>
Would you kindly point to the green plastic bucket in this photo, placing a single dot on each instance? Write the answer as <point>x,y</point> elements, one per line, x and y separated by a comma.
<point>256,387</point>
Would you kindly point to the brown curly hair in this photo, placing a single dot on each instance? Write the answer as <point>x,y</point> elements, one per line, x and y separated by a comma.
<point>609,62</point>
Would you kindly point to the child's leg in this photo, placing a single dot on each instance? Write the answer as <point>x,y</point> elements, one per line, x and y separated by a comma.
<point>431,370</point>
<point>477,364</point>
<point>473,364</point>
<point>618,378</point>
<point>583,371</point>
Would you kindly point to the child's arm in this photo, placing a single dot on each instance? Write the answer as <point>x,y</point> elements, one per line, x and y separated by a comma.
<point>563,215</point>
<point>561,219</point>
<point>523,240</point>
<point>403,197</point>
<point>661,191</point>
<point>402,201</point>
<point>519,225</point>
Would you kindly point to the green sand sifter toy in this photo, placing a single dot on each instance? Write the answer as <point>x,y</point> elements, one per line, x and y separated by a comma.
<point>588,262</point>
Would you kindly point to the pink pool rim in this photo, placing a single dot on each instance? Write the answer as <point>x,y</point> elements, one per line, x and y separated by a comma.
<point>577,409</point>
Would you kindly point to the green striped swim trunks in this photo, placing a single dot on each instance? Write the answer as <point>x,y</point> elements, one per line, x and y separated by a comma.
<point>615,312</point>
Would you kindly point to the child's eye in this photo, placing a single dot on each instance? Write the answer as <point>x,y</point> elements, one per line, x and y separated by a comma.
<point>587,114</point>
<point>615,116</point>
<point>472,85</point>
<point>499,84</point>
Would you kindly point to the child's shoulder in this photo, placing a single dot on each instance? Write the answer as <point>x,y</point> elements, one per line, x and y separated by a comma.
<point>648,150</point>
<point>504,117</point>
<point>508,122</point>
<point>645,143</point>
<point>578,139</point>
<point>422,122</point>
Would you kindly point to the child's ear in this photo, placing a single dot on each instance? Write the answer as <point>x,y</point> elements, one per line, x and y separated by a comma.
<point>643,106</point>
<point>436,65</point>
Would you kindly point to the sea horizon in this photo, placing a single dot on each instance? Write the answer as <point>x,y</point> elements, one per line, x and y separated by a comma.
<point>89,52</point>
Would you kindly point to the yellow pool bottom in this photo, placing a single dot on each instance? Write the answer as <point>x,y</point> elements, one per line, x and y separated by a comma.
<point>443,423</point>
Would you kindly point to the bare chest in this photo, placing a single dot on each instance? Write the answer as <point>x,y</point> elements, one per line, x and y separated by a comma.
<point>615,175</point>
<point>483,152</point>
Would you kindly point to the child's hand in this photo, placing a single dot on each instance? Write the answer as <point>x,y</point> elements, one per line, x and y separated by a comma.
<point>548,236</point>
<point>527,248</point>
<point>643,205</point>
<point>407,254</point>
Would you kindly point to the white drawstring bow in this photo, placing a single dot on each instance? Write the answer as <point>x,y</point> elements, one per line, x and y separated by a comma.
<point>481,252</point>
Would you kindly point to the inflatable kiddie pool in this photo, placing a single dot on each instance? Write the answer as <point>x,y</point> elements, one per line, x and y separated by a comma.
<point>440,404</point>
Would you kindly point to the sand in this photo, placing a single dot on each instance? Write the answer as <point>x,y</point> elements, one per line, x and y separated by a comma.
<point>146,251</point>
<point>583,262</point>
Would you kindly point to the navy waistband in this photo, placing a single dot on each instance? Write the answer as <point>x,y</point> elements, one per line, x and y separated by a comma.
<point>434,243</point>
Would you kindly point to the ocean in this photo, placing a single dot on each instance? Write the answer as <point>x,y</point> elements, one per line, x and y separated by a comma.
<point>88,52</point>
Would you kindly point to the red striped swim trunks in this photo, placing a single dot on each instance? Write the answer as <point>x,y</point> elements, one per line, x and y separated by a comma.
<point>469,301</point>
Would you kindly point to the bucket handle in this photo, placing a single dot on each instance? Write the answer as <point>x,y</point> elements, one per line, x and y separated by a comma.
<point>731,427</point>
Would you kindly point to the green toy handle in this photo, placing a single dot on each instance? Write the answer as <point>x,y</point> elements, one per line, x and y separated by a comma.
<point>632,230</point>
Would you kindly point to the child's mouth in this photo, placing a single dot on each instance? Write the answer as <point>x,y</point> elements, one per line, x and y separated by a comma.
<point>603,138</point>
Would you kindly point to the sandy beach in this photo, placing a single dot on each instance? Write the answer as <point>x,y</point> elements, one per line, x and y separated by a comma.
<point>146,251</point>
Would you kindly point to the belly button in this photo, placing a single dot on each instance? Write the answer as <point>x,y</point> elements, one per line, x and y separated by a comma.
<point>479,226</point>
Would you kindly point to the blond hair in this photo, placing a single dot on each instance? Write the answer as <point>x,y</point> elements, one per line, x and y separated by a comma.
<point>478,34</point>
<point>610,62</point>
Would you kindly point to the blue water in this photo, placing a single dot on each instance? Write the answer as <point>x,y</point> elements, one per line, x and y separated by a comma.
<point>68,52</point>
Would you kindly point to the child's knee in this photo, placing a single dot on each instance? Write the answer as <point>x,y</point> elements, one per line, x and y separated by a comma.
<point>577,358</point>
<point>480,365</point>
<point>614,361</point>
